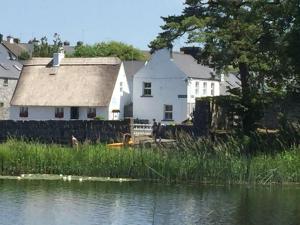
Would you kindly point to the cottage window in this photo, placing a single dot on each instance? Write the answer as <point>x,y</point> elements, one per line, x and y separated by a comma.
<point>91,113</point>
<point>5,82</point>
<point>24,112</point>
<point>197,88</point>
<point>212,91</point>
<point>204,88</point>
<point>121,87</point>
<point>59,112</point>
<point>168,112</point>
<point>147,89</point>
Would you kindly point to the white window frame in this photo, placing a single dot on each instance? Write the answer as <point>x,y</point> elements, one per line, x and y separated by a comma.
<point>168,112</point>
<point>59,110</point>
<point>212,89</point>
<point>91,111</point>
<point>204,88</point>
<point>23,110</point>
<point>147,89</point>
<point>121,87</point>
<point>197,85</point>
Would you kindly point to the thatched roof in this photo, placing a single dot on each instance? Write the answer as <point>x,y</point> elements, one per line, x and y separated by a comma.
<point>76,82</point>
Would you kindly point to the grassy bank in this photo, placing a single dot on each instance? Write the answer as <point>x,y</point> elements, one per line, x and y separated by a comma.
<point>202,161</point>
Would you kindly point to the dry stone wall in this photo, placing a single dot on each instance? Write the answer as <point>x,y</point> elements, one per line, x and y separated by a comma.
<point>61,131</point>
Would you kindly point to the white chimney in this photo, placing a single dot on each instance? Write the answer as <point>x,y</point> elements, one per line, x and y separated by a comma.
<point>57,57</point>
<point>10,39</point>
<point>222,77</point>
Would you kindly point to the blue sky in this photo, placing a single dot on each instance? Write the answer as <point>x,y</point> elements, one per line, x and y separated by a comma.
<point>135,22</point>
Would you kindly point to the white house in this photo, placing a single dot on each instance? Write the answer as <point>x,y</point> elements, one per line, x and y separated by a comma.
<point>166,87</point>
<point>70,88</point>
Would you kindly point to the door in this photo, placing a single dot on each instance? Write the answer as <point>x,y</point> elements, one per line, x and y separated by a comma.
<point>74,113</point>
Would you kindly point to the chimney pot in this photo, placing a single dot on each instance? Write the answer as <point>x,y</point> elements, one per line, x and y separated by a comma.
<point>57,57</point>
<point>10,39</point>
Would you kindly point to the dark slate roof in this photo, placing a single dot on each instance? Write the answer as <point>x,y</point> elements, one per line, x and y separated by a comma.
<point>18,48</point>
<point>15,48</point>
<point>230,81</point>
<point>9,67</point>
<point>132,67</point>
<point>192,68</point>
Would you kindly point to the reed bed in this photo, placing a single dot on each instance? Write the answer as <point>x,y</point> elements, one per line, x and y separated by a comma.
<point>193,160</point>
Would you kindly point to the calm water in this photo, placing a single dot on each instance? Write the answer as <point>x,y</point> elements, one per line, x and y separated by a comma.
<point>58,202</point>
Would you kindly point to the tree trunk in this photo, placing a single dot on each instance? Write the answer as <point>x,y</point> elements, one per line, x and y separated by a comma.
<point>248,119</point>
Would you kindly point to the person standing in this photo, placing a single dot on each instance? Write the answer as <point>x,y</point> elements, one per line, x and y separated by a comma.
<point>154,129</point>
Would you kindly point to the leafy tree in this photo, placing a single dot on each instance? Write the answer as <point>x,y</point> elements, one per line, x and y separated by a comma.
<point>251,36</point>
<point>24,55</point>
<point>44,49</point>
<point>113,48</point>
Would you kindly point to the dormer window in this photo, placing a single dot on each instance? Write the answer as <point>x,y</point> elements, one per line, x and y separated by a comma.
<point>147,89</point>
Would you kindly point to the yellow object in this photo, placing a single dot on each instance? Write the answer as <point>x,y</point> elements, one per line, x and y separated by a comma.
<point>120,144</point>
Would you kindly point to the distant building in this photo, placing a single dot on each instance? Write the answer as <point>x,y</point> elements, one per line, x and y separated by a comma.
<point>228,82</point>
<point>10,70</point>
<point>70,89</point>
<point>166,87</point>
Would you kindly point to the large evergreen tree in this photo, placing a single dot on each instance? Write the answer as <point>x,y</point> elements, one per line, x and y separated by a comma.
<point>251,36</point>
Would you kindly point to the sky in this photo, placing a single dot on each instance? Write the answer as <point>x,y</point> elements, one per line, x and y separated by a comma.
<point>135,22</point>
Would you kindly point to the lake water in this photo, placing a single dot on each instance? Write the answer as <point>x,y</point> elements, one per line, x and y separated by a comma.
<point>64,203</point>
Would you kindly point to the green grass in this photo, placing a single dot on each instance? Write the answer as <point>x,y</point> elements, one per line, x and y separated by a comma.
<point>190,161</point>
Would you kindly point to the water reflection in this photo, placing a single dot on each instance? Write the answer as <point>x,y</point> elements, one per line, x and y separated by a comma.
<point>57,202</point>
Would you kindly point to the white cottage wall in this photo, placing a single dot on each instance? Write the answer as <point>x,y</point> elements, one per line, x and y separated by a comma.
<point>120,97</point>
<point>168,87</point>
<point>48,113</point>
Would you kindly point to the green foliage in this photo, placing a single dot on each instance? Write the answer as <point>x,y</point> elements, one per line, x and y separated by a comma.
<point>24,55</point>
<point>44,49</point>
<point>199,160</point>
<point>258,38</point>
<point>99,117</point>
<point>105,49</point>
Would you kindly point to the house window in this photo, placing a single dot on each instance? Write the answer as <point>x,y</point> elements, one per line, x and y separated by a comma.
<point>23,112</point>
<point>168,112</point>
<point>59,112</point>
<point>204,88</point>
<point>121,87</point>
<point>197,88</point>
<point>5,82</point>
<point>147,89</point>
<point>212,90</point>
<point>1,104</point>
<point>74,113</point>
<point>91,113</point>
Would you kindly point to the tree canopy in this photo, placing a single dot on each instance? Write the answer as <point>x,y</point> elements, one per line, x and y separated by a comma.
<point>113,48</point>
<point>256,37</point>
<point>44,49</point>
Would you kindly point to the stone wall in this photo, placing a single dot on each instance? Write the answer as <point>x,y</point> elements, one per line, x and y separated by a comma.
<point>61,131</point>
<point>6,93</point>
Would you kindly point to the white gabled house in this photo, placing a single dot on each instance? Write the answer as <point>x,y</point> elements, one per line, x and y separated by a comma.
<point>70,89</point>
<point>165,89</point>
